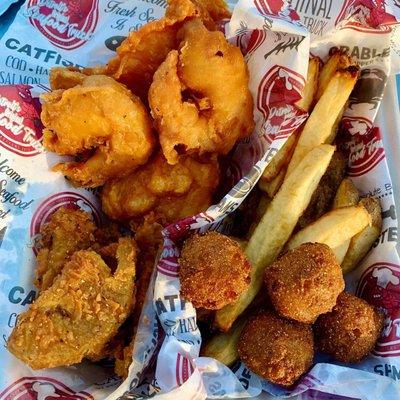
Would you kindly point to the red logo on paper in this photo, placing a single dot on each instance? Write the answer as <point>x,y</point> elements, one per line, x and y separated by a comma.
<point>242,38</point>
<point>364,151</point>
<point>39,388</point>
<point>20,126</point>
<point>365,14</point>
<point>278,8</point>
<point>67,24</point>
<point>380,286</point>
<point>183,369</point>
<point>278,91</point>
<point>70,200</point>
<point>257,38</point>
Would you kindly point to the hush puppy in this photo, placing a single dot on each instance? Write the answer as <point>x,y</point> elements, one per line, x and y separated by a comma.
<point>305,282</point>
<point>276,349</point>
<point>350,331</point>
<point>213,270</point>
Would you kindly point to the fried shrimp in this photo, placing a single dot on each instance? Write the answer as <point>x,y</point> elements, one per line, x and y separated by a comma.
<point>67,232</point>
<point>80,313</point>
<point>171,192</point>
<point>213,270</point>
<point>277,349</point>
<point>350,331</point>
<point>199,97</point>
<point>305,282</point>
<point>78,120</point>
<point>65,78</point>
<point>141,53</point>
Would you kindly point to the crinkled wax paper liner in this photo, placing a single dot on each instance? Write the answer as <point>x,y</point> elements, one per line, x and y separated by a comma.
<point>286,44</point>
<point>275,50</point>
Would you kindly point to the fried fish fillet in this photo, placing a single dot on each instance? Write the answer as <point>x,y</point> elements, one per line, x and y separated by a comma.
<point>80,313</point>
<point>67,232</point>
<point>199,97</point>
<point>98,119</point>
<point>171,192</point>
<point>141,53</point>
<point>149,238</point>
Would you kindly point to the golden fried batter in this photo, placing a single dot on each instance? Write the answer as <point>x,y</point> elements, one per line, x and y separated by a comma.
<point>305,282</point>
<point>65,78</point>
<point>277,349</point>
<point>67,232</point>
<point>213,270</point>
<point>99,120</point>
<point>79,314</point>
<point>68,77</point>
<point>350,331</point>
<point>149,239</point>
<point>170,192</point>
<point>141,53</point>
<point>199,97</point>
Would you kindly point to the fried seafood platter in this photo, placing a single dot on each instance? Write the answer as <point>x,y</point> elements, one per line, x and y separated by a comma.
<point>151,132</point>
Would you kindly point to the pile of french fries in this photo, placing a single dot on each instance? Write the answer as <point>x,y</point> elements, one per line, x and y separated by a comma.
<point>350,225</point>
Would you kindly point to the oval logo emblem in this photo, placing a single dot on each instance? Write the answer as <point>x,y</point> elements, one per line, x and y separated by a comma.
<point>364,151</point>
<point>66,24</point>
<point>365,14</point>
<point>20,125</point>
<point>41,388</point>
<point>278,91</point>
<point>380,286</point>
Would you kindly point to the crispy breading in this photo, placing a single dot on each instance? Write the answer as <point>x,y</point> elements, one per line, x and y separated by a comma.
<point>350,331</point>
<point>141,53</point>
<point>149,239</point>
<point>171,192</point>
<point>111,141</point>
<point>277,349</point>
<point>80,313</point>
<point>199,97</point>
<point>67,232</point>
<point>65,77</point>
<point>213,270</point>
<point>305,282</point>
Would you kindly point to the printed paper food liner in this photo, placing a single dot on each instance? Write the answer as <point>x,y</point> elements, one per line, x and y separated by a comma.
<point>276,44</point>
<point>5,5</point>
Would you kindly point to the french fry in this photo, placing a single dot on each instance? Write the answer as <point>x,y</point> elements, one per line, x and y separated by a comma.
<point>335,127</point>
<point>311,86</point>
<point>319,126</point>
<point>276,226</point>
<point>282,157</point>
<point>361,243</point>
<point>223,346</point>
<point>337,61</point>
<point>322,198</point>
<point>261,208</point>
<point>271,188</point>
<point>341,251</point>
<point>346,195</point>
<point>334,228</point>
